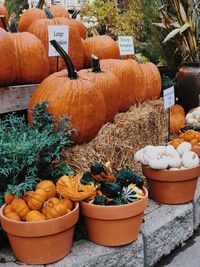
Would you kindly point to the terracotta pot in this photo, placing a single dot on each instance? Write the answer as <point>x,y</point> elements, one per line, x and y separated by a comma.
<point>171,187</point>
<point>196,149</point>
<point>41,242</point>
<point>188,85</point>
<point>114,225</point>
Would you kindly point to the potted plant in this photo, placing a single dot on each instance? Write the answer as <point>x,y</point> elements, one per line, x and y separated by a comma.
<point>113,213</point>
<point>171,173</point>
<point>180,20</point>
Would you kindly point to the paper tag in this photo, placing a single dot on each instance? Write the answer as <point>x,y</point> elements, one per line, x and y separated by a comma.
<point>126,45</point>
<point>61,35</point>
<point>169,98</point>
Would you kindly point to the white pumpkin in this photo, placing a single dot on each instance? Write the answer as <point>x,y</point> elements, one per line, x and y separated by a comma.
<point>174,169</point>
<point>138,155</point>
<point>190,160</point>
<point>170,151</point>
<point>159,164</point>
<point>160,149</point>
<point>189,116</point>
<point>191,120</point>
<point>183,147</point>
<point>148,156</point>
<point>196,113</point>
<point>147,148</point>
<point>174,162</point>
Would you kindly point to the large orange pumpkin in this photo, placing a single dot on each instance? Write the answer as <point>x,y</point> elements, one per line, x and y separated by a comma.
<point>75,50</point>
<point>3,12</point>
<point>102,46</point>
<point>124,70</point>
<point>109,86</point>
<point>73,94</point>
<point>59,11</point>
<point>81,27</point>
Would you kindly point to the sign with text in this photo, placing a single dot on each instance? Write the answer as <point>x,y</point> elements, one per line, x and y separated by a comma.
<point>126,45</point>
<point>61,35</point>
<point>169,98</point>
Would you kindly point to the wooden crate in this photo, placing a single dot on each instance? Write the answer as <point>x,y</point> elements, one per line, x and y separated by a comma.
<point>14,98</point>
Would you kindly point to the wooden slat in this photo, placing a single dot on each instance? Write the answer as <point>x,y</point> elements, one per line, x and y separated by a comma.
<point>13,98</point>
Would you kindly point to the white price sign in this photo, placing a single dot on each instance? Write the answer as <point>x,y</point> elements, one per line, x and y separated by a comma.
<point>61,35</point>
<point>126,45</point>
<point>169,98</point>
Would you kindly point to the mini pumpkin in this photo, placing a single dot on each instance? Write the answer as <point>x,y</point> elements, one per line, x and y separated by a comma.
<point>13,216</point>
<point>67,203</point>
<point>38,199</point>
<point>28,196</point>
<point>20,207</point>
<point>49,187</point>
<point>7,209</point>
<point>53,208</point>
<point>8,198</point>
<point>35,216</point>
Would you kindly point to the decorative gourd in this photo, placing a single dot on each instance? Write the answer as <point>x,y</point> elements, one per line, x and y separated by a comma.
<point>13,216</point>
<point>104,47</point>
<point>101,172</point>
<point>170,151</point>
<point>115,202</point>
<point>124,71</point>
<point>75,49</point>
<point>128,195</point>
<point>190,159</point>
<point>184,147</point>
<point>49,187</point>
<point>28,196</point>
<point>176,142</point>
<point>35,216</point>
<point>174,162</point>
<point>67,203</point>
<point>81,27</point>
<point>99,200</point>
<point>73,96</point>
<point>110,189</point>
<point>38,199</point>
<point>138,180</point>
<point>54,208</point>
<point>20,207</point>
<point>7,209</point>
<point>3,12</point>
<point>125,176</point>
<point>159,164</point>
<point>109,86</point>
<point>87,178</point>
<point>71,188</point>
<point>8,198</point>
<point>138,156</point>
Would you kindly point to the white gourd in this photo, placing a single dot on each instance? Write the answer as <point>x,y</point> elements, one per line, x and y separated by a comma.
<point>170,151</point>
<point>189,116</point>
<point>196,113</point>
<point>159,164</point>
<point>160,150</point>
<point>147,156</point>
<point>147,148</point>
<point>174,169</point>
<point>183,147</point>
<point>174,162</point>
<point>190,160</point>
<point>190,120</point>
<point>138,155</point>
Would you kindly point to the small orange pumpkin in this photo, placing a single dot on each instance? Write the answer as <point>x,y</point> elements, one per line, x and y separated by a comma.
<point>7,209</point>
<point>28,196</point>
<point>20,207</point>
<point>177,108</point>
<point>67,203</point>
<point>35,216</point>
<point>13,216</point>
<point>38,199</point>
<point>8,198</point>
<point>54,208</point>
<point>49,187</point>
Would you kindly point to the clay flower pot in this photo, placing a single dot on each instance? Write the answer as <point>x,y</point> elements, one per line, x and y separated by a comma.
<point>41,242</point>
<point>114,225</point>
<point>171,187</point>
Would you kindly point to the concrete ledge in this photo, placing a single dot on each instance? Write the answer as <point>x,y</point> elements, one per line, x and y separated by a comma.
<point>164,228</point>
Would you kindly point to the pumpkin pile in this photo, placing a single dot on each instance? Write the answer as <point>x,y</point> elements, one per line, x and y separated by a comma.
<point>168,157</point>
<point>191,136</point>
<point>121,187</point>
<point>39,205</point>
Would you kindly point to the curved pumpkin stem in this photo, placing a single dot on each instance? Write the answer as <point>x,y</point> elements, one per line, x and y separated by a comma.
<point>13,25</point>
<point>40,4</point>
<point>75,14</point>
<point>48,13</point>
<point>3,20</point>
<point>72,74</point>
<point>95,64</point>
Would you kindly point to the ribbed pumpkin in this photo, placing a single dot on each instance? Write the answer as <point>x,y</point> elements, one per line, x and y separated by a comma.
<point>124,71</point>
<point>32,14</point>
<point>152,80</point>
<point>75,50</point>
<point>7,209</point>
<point>177,121</point>
<point>109,85</point>
<point>75,95</point>
<point>35,216</point>
<point>177,108</point>
<point>67,203</point>
<point>20,207</point>
<point>54,208</point>
<point>81,27</point>
<point>28,196</point>
<point>38,199</point>
<point>8,198</point>
<point>23,59</point>
<point>49,187</point>
<point>102,46</point>
<point>13,216</point>
<point>3,12</point>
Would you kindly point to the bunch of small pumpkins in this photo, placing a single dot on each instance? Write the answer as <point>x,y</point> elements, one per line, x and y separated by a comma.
<point>39,205</point>
<point>191,136</point>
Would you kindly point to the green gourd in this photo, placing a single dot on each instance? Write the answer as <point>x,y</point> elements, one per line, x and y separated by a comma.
<point>128,195</point>
<point>87,178</point>
<point>138,180</point>
<point>110,189</point>
<point>125,176</point>
<point>97,168</point>
<point>116,201</point>
<point>99,200</point>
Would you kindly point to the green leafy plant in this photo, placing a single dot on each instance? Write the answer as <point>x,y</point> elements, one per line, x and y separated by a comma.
<point>32,152</point>
<point>16,6</point>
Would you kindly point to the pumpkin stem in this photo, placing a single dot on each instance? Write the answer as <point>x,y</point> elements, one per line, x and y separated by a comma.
<point>40,4</point>
<point>3,20</point>
<point>72,74</point>
<point>13,25</point>
<point>75,13</point>
<point>95,64</point>
<point>48,13</point>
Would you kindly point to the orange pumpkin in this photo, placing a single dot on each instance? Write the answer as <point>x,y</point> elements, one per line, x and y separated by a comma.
<point>59,11</point>
<point>7,209</point>
<point>102,46</point>
<point>13,216</point>
<point>81,27</point>
<point>177,108</point>
<point>20,207</point>
<point>109,86</point>
<point>8,198</point>
<point>38,199</point>
<point>40,29</point>
<point>73,97</point>
<point>177,121</point>
<point>176,142</point>
<point>67,203</point>
<point>54,208</point>
<point>49,187</point>
<point>28,196</point>
<point>3,12</point>
<point>35,216</point>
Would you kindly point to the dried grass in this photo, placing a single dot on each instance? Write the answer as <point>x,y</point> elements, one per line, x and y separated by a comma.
<point>117,142</point>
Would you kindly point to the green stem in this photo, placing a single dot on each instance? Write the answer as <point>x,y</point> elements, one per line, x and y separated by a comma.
<point>40,4</point>
<point>96,64</point>
<point>13,25</point>
<point>48,13</point>
<point>72,74</point>
<point>74,15</point>
<point>3,20</point>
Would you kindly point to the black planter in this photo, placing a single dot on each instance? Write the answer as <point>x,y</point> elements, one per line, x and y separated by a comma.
<point>188,85</point>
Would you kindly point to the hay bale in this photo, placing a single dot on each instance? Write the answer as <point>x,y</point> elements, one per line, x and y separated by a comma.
<point>117,142</point>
